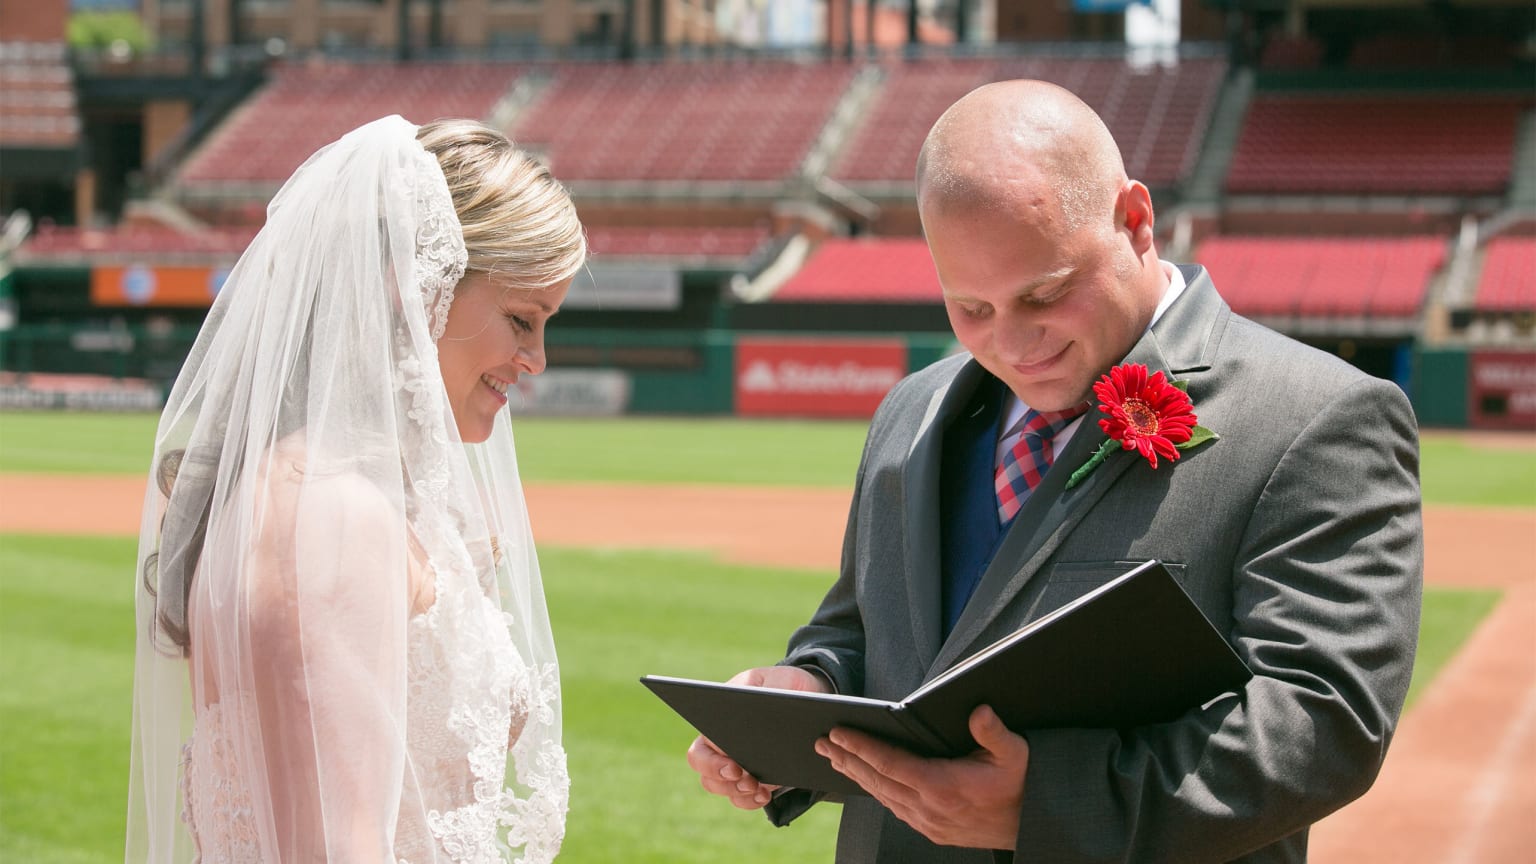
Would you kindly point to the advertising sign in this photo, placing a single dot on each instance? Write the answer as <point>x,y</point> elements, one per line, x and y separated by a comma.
<point>1502,390</point>
<point>625,286</point>
<point>816,377</point>
<point>588,392</point>
<point>142,285</point>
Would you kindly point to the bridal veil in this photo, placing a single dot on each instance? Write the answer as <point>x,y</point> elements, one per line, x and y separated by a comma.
<point>343,650</point>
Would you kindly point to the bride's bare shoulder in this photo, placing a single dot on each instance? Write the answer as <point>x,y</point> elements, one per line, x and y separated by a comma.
<point>303,477</point>
<point>326,513</point>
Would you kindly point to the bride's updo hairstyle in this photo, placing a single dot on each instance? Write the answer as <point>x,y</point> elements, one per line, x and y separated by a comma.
<point>519,222</point>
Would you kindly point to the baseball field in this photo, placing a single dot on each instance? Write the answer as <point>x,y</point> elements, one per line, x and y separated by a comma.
<point>693,547</point>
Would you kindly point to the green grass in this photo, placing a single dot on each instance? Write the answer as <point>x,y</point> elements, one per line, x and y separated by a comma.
<point>726,451</point>
<point>66,640</point>
<point>66,682</point>
<point>66,670</point>
<point>1449,617</point>
<point>66,658</point>
<point>1454,471</point>
<point>620,615</point>
<point>59,442</point>
<point>629,450</point>
<point>731,451</point>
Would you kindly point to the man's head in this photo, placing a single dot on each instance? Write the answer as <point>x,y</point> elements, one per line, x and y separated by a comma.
<point>1042,245</point>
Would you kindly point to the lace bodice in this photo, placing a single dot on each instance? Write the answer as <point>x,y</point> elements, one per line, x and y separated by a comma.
<point>458,753</point>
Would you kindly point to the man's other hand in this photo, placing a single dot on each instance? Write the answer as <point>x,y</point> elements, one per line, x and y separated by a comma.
<point>973,801</point>
<point>720,774</point>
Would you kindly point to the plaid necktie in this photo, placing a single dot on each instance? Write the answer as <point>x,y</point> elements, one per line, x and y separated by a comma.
<point>1029,458</point>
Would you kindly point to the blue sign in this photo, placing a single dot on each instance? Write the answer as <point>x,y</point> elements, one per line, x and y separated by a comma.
<point>138,284</point>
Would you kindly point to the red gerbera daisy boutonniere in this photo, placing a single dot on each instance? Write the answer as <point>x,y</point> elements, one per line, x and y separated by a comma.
<point>1145,413</point>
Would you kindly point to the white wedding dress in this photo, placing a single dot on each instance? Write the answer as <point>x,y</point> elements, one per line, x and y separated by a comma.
<point>469,695</point>
<point>467,807</point>
<point>344,653</point>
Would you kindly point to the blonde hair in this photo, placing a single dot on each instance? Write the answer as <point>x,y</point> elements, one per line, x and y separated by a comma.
<point>519,222</point>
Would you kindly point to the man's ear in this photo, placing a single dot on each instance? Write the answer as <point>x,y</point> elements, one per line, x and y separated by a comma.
<point>1133,211</point>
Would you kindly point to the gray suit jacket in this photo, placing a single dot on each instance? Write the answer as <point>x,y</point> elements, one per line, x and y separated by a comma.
<point>1298,534</point>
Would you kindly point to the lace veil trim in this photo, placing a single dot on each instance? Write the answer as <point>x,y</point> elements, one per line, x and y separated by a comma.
<point>440,253</point>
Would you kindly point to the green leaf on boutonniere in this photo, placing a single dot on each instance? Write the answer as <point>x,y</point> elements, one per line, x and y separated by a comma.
<point>1197,436</point>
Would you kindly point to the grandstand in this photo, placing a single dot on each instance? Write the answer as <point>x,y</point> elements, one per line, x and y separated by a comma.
<point>1378,144</point>
<point>705,122</point>
<point>1507,280</point>
<point>1372,193</point>
<point>1151,112</point>
<point>1377,285</point>
<point>306,106</point>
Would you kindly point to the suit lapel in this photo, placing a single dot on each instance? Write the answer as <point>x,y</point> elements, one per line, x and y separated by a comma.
<point>1179,346</point>
<point>920,483</point>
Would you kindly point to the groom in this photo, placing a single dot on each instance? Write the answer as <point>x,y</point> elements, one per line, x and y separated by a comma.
<point>1297,531</point>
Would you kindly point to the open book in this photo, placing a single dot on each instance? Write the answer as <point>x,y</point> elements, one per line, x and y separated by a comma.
<point>1133,651</point>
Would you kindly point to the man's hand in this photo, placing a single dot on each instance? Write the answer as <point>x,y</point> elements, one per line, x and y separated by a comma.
<point>718,773</point>
<point>973,801</point>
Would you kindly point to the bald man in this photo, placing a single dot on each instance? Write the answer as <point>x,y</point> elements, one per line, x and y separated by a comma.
<point>1297,532</point>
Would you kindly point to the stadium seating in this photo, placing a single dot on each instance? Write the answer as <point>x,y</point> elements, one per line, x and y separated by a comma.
<point>37,96</point>
<point>677,243</point>
<point>875,270</point>
<point>1158,116</point>
<point>717,121</point>
<point>1376,144</point>
<point>914,95</point>
<point>1508,280</point>
<point>305,107</point>
<point>54,243</point>
<point>1324,277</point>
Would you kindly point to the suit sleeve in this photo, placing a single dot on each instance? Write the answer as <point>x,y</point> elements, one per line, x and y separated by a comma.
<point>832,643</point>
<point>1326,594</point>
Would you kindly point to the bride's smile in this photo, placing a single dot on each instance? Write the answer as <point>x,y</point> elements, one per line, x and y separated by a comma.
<point>495,335</point>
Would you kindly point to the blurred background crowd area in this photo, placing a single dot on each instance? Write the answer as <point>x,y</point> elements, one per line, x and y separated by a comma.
<point>1360,174</point>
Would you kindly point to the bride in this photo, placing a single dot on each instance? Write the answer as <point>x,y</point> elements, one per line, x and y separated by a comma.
<point>343,650</point>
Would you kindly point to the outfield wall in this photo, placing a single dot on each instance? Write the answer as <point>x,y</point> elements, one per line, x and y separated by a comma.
<point>700,352</point>
<point>714,372</point>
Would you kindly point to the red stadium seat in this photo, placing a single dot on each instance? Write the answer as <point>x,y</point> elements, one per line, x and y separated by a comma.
<point>306,107</point>
<point>711,122</point>
<point>1324,277</point>
<point>1157,116</point>
<point>876,270</point>
<point>1508,279</point>
<point>1376,145</point>
<point>53,243</point>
